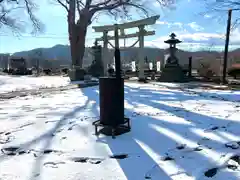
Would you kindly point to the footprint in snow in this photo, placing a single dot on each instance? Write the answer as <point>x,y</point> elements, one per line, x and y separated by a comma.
<point>87,160</point>
<point>4,139</point>
<point>233,145</point>
<point>46,151</point>
<point>51,121</point>
<point>13,150</point>
<point>197,149</point>
<point>213,128</point>
<point>211,172</point>
<point>119,156</point>
<point>167,158</point>
<point>232,163</point>
<point>232,167</point>
<point>204,139</point>
<point>236,159</point>
<point>98,160</point>
<point>181,146</point>
<point>53,164</point>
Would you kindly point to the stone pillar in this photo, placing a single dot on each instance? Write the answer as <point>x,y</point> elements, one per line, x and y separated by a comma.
<point>158,66</point>
<point>141,55</point>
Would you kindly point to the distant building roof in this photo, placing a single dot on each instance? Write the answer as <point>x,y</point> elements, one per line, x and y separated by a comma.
<point>236,65</point>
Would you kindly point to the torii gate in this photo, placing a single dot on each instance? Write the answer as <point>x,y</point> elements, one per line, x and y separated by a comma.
<point>141,34</point>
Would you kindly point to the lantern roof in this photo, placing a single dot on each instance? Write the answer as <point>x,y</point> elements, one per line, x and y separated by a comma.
<point>173,39</point>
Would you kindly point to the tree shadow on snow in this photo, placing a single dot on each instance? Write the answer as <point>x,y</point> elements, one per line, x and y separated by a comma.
<point>169,132</point>
<point>211,91</point>
<point>137,162</point>
<point>47,139</point>
<point>154,137</point>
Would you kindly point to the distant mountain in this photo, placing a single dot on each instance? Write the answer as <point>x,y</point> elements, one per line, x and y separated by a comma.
<point>62,54</point>
<point>58,52</point>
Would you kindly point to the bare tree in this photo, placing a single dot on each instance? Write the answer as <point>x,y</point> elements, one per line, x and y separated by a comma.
<point>219,9</point>
<point>81,13</point>
<point>15,22</point>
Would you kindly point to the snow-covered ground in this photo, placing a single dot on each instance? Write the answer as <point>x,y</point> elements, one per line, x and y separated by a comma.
<point>176,134</point>
<point>15,83</point>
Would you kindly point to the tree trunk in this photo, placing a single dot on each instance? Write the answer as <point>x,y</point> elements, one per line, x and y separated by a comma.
<point>80,44</point>
<point>77,44</point>
<point>77,37</point>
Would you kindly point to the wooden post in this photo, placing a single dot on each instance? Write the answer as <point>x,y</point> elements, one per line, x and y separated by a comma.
<point>117,54</point>
<point>140,55</point>
<point>190,66</point>
<point>224,81</point>
<point>105,52</point>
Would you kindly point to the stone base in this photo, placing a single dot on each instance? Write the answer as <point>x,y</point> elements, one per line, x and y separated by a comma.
<point>110,130</point>
<point>76,74</point>
<point>173,73</point>
<point>107,131</point>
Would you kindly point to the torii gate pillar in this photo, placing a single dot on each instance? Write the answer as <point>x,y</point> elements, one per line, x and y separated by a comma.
<point>141,75</point>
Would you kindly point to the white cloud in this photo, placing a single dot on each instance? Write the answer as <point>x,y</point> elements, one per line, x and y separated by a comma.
<point>162,23</point>
<point>207,16</point>
<point>195,26</point>
<point>169,24</point>
<point>197,41</point>
<point>235,36</point>
<point>192,41</point>
<point>177,24</point>
<point>201,36</point>
<point>192,25</point>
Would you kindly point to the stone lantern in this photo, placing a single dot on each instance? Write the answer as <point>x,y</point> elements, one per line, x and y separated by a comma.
<point>172,72</point>
<point>172,59</point>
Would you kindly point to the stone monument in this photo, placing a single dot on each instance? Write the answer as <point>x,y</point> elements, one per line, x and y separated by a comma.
<point>96,68</point>
<point>172,71</point>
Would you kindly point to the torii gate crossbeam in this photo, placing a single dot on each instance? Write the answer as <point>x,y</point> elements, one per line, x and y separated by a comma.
<point>140,24</point>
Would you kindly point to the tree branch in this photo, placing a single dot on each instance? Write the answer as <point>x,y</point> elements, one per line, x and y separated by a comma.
<point>99,4</point>
<point>88,4</point>
<point>79,6</point>
<point>36,23</point>
<point>14,23</point>
<point>105,6</point>
<point>64,5</point>
<point>4,13</point>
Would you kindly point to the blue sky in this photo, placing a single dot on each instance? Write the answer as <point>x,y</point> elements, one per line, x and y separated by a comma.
<point>195,30</point>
